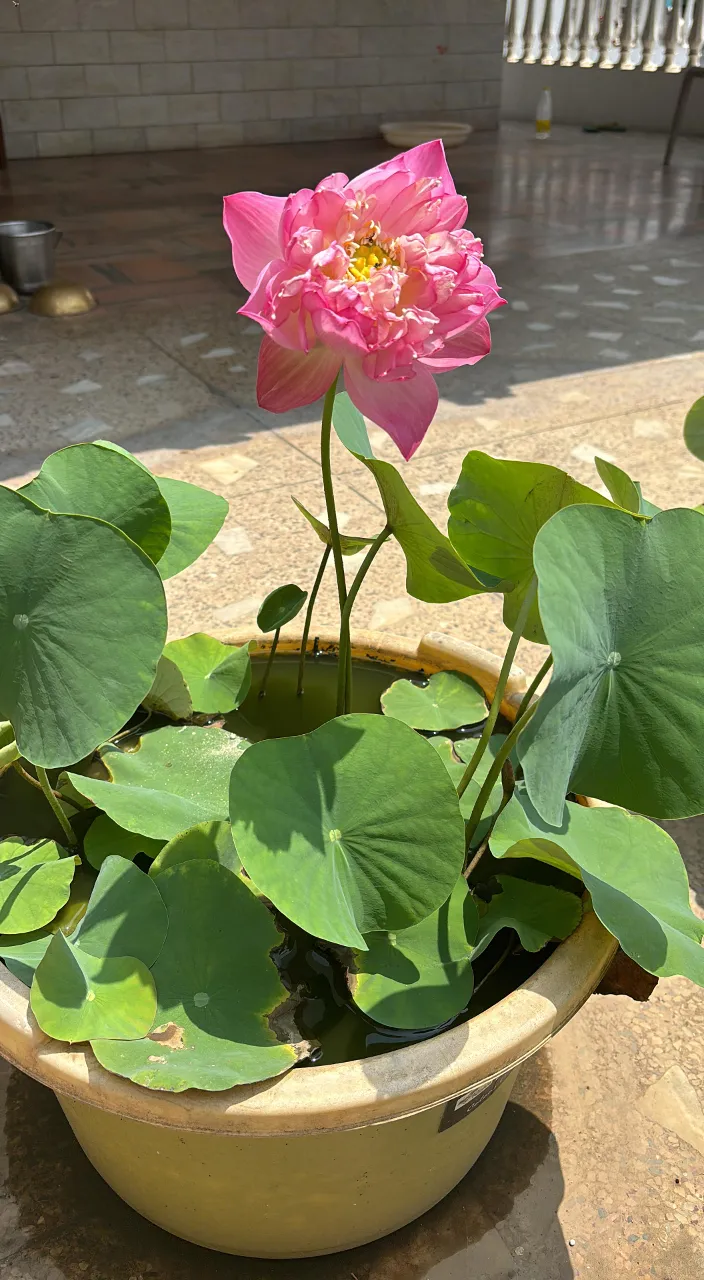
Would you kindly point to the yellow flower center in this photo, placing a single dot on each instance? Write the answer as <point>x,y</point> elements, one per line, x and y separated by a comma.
<point>366,257</point>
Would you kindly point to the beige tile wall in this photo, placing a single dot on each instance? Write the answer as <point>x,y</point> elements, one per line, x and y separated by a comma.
<point>85,76</point>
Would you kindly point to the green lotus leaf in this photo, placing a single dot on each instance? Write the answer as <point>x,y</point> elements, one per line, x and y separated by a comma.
<point>169,694</point>
<point>126,915</point>
<point>219,990</point>
<point>328,828</point>
<point>434,571</point>
<point>632,869</point>
<point>422,976</point>
<point>176,778</point>
<point>205,840</point>
<point>349,546</point>
<point>694,429</point>
<point>35,881</point>
<point>621,600</point>
<point>76,996</point>
<point>218,675</point>
<point>623,490</point>
<point>647,508</point>
<point>22,952</point>
<point>105,839</point>
<point>350,426</point>
<point>281,606</point>
<point>82,625</point>
<point>496,510</point>
<point>197,516</point>
<point>448,701</point>
<point>85,480</point>
<point>456,756</point>
<point>537,912</point>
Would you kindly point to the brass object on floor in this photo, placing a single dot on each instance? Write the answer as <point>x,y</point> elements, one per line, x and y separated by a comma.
<point>8,299</point>
<point>62,299</point>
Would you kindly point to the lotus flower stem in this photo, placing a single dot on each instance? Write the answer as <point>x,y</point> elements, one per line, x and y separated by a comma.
<point>500,687</point>
<point>309,617</point>
<point>533,686</point>
<point>270,659</point>
<point>56,807</point>
<point>497,764</point>
<point>344,680</point>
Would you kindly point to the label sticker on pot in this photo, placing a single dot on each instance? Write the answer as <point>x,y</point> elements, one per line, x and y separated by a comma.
<point>459,1108</point>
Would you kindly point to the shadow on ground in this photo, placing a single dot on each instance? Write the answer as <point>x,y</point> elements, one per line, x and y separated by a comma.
<point>77,1229</point>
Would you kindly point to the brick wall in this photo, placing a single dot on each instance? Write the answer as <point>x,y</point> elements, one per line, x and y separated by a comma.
<point>85,76</point>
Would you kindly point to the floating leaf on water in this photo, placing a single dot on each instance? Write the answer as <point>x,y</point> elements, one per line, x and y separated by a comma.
<point>537,912</point>
<point>218,990</point>
<point>177,777</point>
<point>35,882</point>
<point>205,840</point>
<point>328,830</point>
<point>104,838</point>
<point>126,915</point>
<point>76,996</point>
<point>422,976</point>
<point>448,701</point>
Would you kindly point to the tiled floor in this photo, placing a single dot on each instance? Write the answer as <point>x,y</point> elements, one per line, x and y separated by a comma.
<point>598,1169</point>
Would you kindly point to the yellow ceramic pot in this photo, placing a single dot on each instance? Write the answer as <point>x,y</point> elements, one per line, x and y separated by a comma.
<point>331,1157</point>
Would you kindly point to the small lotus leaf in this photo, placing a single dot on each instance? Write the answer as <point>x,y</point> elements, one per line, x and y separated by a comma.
<point>218,990</point>
<point>82,625</point>
<point>35,881</point>
<point>86,480</point>
<point>76,996</point>
<point>537,912</point>
<point>496,510</point>
<point>22,952</point>
<point>126,915</point>
<point>197,516</point>
<point>434,571</point>
<point>281,606</point>
<point>422,976</point>
<point>448,701</point>
<point>177,777</point>
<point>328,829</point>
<point>623,490</point>
<point>631,867</point>
<point>621,600</point>
<point>104,839</point>
<point>218,675</point>
<point>349,546</point>
<point>169,694</point>
<point>205,840</point>
<point>694,429</point>
<point>456,756</point>
<point>350,426</point>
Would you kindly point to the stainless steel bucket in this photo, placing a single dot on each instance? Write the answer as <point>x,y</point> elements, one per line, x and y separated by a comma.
<point>27,254</point>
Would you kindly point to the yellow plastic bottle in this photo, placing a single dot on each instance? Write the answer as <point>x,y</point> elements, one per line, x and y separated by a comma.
<point>543,115</point>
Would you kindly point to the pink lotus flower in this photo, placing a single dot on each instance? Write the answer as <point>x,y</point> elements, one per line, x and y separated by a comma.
<point>375,275</point>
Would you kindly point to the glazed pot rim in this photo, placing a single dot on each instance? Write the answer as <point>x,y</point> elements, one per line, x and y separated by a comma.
<point>344,1095</point>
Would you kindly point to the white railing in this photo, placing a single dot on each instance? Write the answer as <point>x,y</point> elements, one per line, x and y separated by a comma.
<point>649,34</point>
